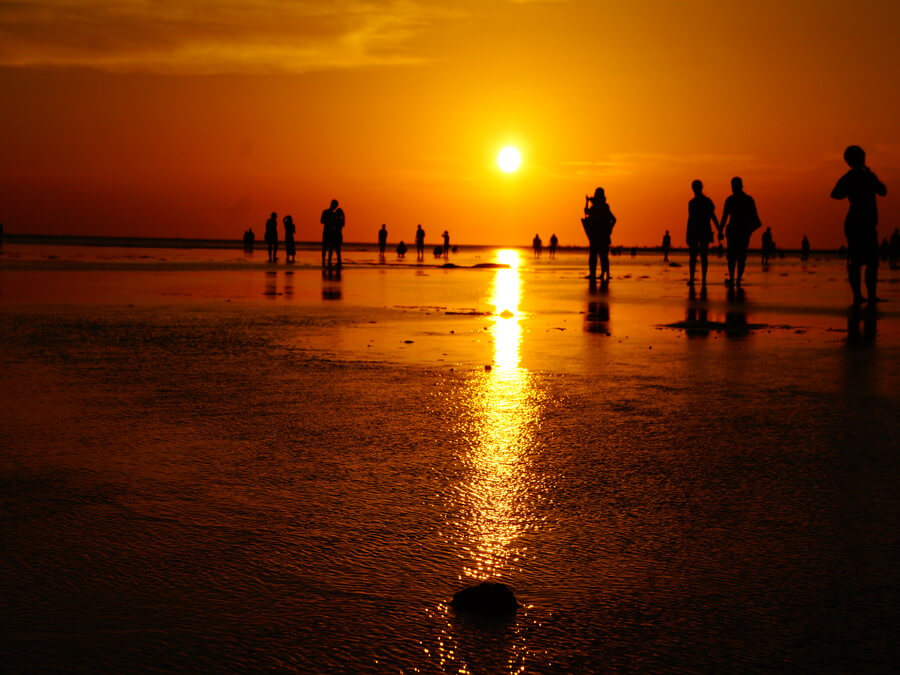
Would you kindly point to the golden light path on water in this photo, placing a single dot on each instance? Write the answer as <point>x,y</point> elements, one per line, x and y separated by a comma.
<point>505,408</point>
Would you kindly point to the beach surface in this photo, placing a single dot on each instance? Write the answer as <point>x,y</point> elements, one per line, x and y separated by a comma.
<point>214,463</point>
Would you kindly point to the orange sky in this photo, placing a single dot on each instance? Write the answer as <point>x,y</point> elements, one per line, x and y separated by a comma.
<point>196,119</point>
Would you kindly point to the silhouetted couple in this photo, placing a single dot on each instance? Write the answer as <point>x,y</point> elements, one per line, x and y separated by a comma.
<point>861,187</point>
<point>332,233</point>
<point>598,223</point>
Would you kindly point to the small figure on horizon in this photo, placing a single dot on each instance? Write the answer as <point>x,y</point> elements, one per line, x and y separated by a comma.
<point>332,233</point>
<point>740,220</point>
<point>401,250</point>
<point>537,246</point>
<point>768,244</point>
<point>860,187</point>
<point>701,212</point>
<point>666,245</point>
<point>327,221</point>
<point>598,223</point>
<point>420,243</point>
<point>554,244</point>
<point>804,249</point>
<point>249,239</point>
<point>382,240</point>
<point>337,238</point>
<point>290,246</point>
<point>272,237</point>
<point>895,249</point>
<point>446,248</point>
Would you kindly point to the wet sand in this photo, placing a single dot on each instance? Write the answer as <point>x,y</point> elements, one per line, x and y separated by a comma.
<point>212,463</point>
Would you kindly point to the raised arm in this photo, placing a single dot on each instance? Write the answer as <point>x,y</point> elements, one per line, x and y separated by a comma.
<point>840,190</point>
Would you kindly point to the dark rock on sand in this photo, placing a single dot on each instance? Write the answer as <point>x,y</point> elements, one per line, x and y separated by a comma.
<point>486,599</point>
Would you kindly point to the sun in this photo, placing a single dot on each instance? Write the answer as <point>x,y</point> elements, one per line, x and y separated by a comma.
<point>509,159</point>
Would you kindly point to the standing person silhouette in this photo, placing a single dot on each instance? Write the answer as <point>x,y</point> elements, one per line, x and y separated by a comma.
<point>740,220</point>
<point>666,245</point>
<point>327,221</point>
<point>537,245</point>
<point>598,223</point>
<point>768,243</point>
<point>446,249</point>
<point>701,212</point>
<point>382,240</point>
<point>554,243</point>
<point>337,236</point>
<point>804,249</point>
<point>860,187</point>
<point>290,246</point>
<point>420,243</point>
<point>272,237</point>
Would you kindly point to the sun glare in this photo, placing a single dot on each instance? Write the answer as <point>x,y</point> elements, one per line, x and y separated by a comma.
<point>509,159</point>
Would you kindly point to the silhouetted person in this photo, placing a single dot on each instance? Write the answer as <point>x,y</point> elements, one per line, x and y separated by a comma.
<point>860,186</point>
<point>272,237</point>
<point>768,243</point>
<point>740,220</point>
<point>895,248</point>
<point>701,218</point>
<point>537,246</point>
<point>249,238</point>
<point>420,243</point>
<point>885,250</point>
<point>290,246</point>
<point>382,240</point>
<point>401,250</point>
<point>337,239</point>
<point>666,245</point>
<point>554,243</point>
<point>446,248</point>
<point>328,220</point>
<point>804,249</point>
<point>598,223</point>
<point>438,251</point>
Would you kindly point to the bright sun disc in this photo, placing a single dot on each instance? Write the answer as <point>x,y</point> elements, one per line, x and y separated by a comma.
<point>509,159</point>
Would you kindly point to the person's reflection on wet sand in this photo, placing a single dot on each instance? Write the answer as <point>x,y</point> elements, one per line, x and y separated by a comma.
<point>696,323</point>
<point>736,325</point>
<point>330,289</point>
<point>289,284</point>
<point>596,319</point>
<point>271,284</point>
<point>868,317</point>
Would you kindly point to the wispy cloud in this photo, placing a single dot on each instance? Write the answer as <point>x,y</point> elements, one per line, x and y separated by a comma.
<point>211,36</point>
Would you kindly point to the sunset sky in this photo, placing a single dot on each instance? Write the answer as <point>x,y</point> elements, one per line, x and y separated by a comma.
<point>197,119</point>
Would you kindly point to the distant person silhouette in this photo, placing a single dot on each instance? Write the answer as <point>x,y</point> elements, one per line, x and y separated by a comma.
<point>290,246</point>
<point>885,250</point>
<point>701,218</point>
<point>537,246</point>
<point>272,237</point>
<point>249,238</point>
<point>438,251</point>
<point>895,248</point>
<point>860,187</point>
<point>446,248</point>
<point>768,243</point>
<point>330,231</point>
<point>740,220</point>
<point>420,243</point>
<point>554,244</point>
<point>598,223</point>
<point>337,236</point>
<point>666,245</point>
<point>804,249</point>
<point>401,250</point>
<point>382,240</point>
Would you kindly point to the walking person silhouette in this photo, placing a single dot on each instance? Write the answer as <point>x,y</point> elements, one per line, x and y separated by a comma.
<point>598,223</point>
<point>420,243</point>
<point>740,220</point>
<point>860,187</point>
<point>382,240</point>
<point>701,212</point>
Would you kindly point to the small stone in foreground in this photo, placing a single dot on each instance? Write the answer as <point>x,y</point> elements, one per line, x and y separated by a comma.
<point>486,599</point>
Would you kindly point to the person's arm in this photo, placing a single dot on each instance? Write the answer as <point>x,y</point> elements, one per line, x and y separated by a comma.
<point>612,221</point>
<point>880,189</point>
<point>726,215</point>
<point>840,189</point>
<point>756,218</point>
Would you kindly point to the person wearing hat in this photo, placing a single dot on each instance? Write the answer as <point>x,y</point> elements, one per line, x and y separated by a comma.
<point>598,223</point>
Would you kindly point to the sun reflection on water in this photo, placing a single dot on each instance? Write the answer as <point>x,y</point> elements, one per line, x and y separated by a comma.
<point>505,407</point>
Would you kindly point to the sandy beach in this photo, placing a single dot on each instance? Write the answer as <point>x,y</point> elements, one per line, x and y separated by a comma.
<point>212,463</point>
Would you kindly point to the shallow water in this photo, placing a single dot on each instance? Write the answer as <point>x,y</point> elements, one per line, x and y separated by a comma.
<point>267,469</point>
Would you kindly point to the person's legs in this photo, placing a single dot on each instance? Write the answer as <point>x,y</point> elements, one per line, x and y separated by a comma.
<point>704,262</point>
<point>604,262</point>
<point>731,262</point>
<point>592,261</point>
<point>324,250</point>
<point>692,263</point>
<point>872,279</point>
<point>741,262</point>
<point>337,250</point>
